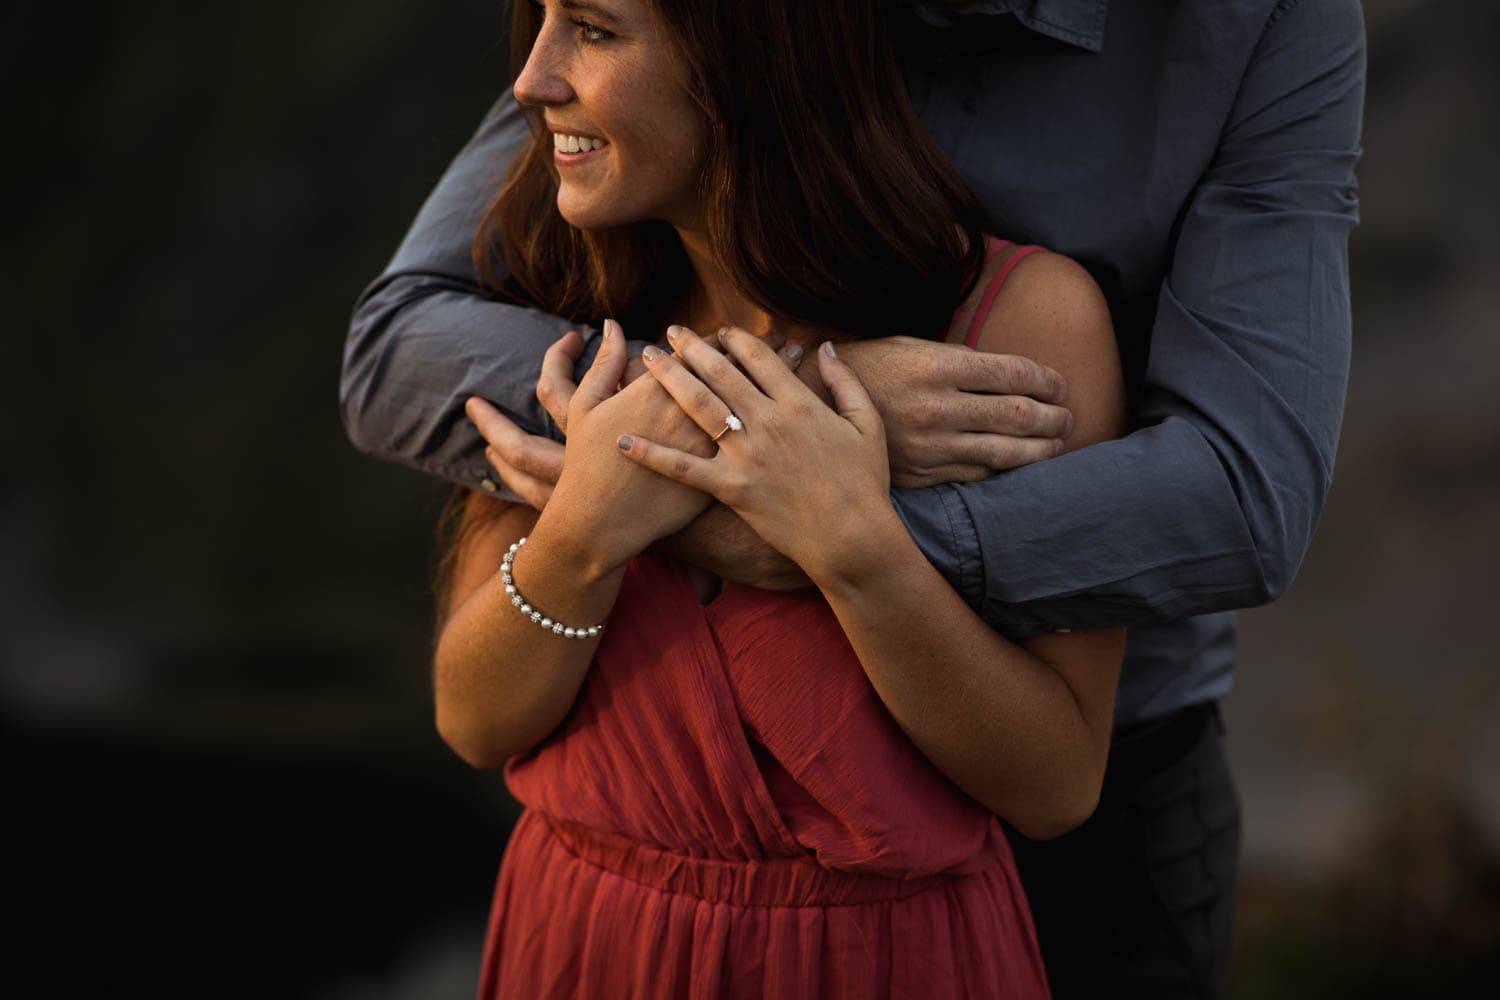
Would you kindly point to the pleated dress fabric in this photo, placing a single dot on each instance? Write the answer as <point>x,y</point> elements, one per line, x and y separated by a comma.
<point>730,811</point>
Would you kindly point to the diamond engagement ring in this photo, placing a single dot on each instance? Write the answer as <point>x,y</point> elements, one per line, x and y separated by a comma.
<point>731,423</point>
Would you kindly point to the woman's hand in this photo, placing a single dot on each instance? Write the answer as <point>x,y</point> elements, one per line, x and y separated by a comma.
<point>611,507</point>
<point>809,480</point>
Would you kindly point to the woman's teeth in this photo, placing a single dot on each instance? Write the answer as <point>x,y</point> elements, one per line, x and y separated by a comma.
<point>575,143</point>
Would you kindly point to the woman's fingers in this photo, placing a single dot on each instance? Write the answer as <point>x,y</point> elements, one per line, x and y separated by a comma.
<point>698,401</point>
<point>760,360</point>
<point>849,396</point>
<point>695,368</point>
<point>715,370</point>
<point>603,376</point>
<point>555,385</point>
<point>699,473</point>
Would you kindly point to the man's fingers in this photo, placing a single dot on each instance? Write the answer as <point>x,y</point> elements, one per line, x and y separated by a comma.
<point>531,453</point>
<point>775,338</point>
<point>634,369</point>
<point>555,385</point>
<point>1018,416</point>
<point>529,488</point>
<point>493,425</point>
<point>1000,451</point>
<point>536,456</point>
<point>1006,375</point>
<point>916,479</point>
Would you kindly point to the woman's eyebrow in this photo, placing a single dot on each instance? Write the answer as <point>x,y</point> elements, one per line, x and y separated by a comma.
<point>586,7</point>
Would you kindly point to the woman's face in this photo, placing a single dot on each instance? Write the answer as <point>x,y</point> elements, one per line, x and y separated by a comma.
<point>628,141</point>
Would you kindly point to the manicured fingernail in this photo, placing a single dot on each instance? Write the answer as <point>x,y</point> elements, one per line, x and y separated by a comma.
<point>828,349</point>
<point>673,331</point>
<point>625,442</point>
<point>794,354</point>
<point>611,328</point>
<point>652,352</point>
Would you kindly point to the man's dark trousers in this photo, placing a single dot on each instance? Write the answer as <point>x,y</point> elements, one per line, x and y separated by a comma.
<point>1138,902</point>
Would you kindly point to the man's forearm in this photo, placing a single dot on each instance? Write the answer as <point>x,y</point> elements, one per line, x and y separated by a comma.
<point>720,542</point>
<point>424,336</point>
<point>1212,504</point>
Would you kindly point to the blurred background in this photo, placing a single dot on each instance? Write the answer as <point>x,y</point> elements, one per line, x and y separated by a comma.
<point>214,659</point>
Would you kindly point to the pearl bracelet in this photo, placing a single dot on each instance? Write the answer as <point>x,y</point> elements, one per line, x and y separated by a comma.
<point>558,628</point>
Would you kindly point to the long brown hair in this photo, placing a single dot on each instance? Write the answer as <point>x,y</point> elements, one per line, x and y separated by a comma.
<point>826,201</point>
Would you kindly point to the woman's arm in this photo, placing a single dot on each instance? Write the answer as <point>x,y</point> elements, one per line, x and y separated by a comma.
<point>1022,727</point>
<point>502,682</point>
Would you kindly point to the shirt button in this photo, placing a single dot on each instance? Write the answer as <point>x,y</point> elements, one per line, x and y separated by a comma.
<point>488,485</point>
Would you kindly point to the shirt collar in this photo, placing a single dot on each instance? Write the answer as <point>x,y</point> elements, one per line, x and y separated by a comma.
<point>1077,22</point>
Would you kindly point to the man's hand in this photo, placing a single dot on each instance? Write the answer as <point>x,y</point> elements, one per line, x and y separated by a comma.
<point>528,463</point>
<point>954,415</point>
<point>720,542</point>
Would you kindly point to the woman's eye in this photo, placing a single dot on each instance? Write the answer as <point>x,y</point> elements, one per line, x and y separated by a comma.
<point>591,32</point>
<point>586,31</point>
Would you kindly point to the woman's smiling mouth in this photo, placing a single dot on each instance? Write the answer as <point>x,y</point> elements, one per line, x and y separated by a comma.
<point>570,148</point>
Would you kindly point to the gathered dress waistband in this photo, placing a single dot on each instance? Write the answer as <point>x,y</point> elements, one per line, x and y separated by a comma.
<point>784,881</point>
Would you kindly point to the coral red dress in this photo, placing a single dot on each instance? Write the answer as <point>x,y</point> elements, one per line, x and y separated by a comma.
<point>730,811</point>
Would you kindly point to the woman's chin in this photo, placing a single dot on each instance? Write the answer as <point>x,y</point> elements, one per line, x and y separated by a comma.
<point>583,216</point>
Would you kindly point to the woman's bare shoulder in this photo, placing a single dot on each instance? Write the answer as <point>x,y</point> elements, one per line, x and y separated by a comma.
<point>1051,310</point>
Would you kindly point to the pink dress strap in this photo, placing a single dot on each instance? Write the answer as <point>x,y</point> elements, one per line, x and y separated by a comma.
<point>983,312</point>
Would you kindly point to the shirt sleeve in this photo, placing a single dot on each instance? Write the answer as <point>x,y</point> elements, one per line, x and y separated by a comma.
<point>1212,503</point>
<point>425,336</point>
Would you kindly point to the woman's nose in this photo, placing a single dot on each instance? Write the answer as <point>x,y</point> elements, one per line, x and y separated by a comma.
<point>541,82</point>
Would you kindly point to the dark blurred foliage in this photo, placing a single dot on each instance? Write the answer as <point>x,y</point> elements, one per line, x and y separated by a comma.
<point>215,684</point>
<point>214,661</point>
